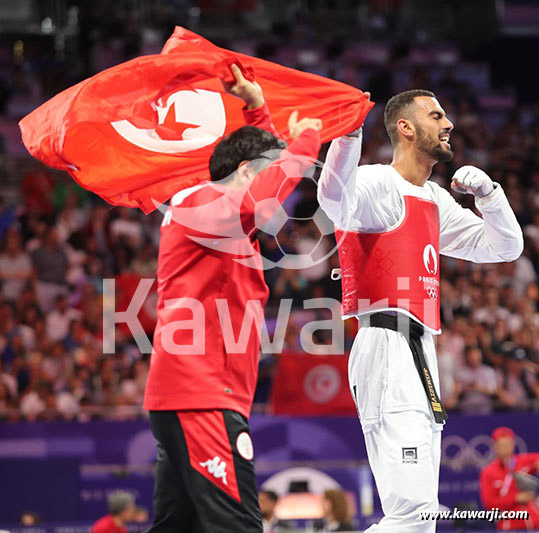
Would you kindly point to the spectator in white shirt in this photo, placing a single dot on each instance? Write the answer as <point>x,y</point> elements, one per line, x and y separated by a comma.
<point>492,309</point>
<point>517,381</point>
<point>126,227</point>
<point>15,267</point>
<point>71,219</point>
<point>9,382</point>
<point>32,404</point>
<point>58,320</point>
<point>478,383</point>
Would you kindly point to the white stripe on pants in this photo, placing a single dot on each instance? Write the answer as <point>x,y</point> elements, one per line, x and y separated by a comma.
<point>395,415</point>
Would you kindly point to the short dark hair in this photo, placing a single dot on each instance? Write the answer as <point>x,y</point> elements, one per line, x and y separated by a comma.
<point>397,107</point>
<point>245,144</point>
<point>270,494</point>
<point>469,348</point>
<point>118,501</point>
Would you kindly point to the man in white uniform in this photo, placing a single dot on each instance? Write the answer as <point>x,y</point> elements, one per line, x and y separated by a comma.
<point>392,224</point>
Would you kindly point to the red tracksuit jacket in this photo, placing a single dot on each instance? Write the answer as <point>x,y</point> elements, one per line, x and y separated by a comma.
<point>196,264</point>
<point>499,489</point>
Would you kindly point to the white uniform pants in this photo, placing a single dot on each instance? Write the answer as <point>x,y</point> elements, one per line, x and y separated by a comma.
<point>402,439</point>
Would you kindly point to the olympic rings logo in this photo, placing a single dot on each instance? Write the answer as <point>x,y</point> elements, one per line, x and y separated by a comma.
<point>432,292</point>
<point>458,453</point>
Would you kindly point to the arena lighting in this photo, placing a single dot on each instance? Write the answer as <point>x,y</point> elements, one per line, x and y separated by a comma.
<point>299,506</point>
<point>305,506</point>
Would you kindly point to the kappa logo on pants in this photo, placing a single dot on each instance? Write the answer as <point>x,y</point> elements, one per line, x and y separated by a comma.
<point>216,468</point>
<point>409,455</point>
<point>209,448</point>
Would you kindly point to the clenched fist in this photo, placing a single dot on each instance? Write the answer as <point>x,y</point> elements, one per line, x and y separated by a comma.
<point>472,180</point>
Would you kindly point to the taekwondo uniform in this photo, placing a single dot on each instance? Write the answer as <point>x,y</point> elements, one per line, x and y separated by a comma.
<point>390,234</point>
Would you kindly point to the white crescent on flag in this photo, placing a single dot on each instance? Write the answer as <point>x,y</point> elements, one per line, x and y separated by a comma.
<point>201,108</point>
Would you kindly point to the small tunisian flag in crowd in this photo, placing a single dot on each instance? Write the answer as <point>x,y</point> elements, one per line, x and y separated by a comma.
<point>141,131</point>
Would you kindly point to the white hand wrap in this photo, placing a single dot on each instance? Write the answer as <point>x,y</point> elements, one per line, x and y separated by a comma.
<point>473,180</point>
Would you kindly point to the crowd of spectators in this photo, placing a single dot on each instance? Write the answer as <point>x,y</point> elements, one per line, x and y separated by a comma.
<point>58,242</point>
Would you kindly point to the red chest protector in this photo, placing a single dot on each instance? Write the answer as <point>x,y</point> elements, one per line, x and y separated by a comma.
<point>397,269</point>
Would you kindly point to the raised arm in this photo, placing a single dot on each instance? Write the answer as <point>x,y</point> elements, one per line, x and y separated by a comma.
<point>215,209</point>
<point>260,117</point>
<point>255,112</point>
<point>495,238</point>
<point>337,193</point>
<point>340,193</point>
<point>281,177</point>
<point>219,209</point>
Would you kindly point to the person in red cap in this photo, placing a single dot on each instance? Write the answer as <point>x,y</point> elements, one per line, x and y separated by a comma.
<point>500,486</point>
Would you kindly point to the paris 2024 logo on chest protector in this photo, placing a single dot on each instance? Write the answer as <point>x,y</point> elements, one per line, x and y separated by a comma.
<point>430,260</point>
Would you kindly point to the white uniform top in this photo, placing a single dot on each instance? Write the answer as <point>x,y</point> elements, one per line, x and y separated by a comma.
<point>368,199</point>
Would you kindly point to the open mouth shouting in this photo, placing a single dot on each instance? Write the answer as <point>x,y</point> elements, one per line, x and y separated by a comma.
<point>444,138</point>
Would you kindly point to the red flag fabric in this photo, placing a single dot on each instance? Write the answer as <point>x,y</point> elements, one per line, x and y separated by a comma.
<point>307,384</point>
<point>138,132</point>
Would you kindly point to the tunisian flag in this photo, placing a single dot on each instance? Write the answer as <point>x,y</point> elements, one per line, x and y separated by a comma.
<point>308,384</point>
<point>139,132</point>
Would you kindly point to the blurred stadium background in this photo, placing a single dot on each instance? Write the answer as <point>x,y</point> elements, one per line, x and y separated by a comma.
<point>71,426</point>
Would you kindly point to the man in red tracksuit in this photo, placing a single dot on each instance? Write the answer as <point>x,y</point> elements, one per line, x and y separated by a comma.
<point>498,486</point>
<point>211,290</point>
